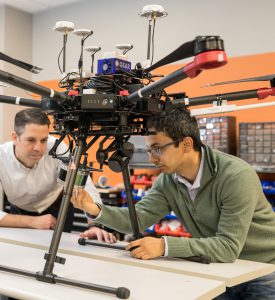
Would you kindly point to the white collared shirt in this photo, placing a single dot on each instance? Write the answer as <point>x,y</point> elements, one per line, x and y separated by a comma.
<point>34,189</point>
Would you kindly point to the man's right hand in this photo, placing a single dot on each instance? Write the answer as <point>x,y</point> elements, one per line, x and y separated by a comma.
<point>82,200</point>
<point>43,222</point>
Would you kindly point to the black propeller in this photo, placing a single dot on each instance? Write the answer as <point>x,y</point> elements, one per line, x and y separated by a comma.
<point>20,63</point>
<point>259,78</point>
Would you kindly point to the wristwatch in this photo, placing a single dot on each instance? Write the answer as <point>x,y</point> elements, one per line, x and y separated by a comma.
<point>95,225</point>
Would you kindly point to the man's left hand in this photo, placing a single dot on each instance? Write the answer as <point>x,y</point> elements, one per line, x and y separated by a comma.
<point>147,248</point>
<point>99,234</point>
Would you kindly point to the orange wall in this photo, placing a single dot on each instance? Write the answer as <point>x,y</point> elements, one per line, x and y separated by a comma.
<point>236,68</point>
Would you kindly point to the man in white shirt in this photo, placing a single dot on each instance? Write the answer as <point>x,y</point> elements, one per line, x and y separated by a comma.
<point>28,176</point>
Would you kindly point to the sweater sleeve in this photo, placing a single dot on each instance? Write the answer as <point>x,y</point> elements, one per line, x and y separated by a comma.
<point>239,195</point>
<point>149,210</point>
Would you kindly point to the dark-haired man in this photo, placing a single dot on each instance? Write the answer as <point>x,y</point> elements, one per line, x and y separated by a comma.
<point>28,176</point>
<point>216,196</point>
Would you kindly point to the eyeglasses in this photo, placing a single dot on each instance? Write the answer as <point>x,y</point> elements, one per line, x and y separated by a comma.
<point>158,150</point>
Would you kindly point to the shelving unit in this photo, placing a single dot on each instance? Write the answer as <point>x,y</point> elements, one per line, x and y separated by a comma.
<point>219,133</point>
<point>80,221</point>
<point>257,147</point>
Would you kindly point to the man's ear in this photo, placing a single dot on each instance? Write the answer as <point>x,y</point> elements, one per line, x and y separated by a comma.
<point>14,137</point>
<point>188,144</point>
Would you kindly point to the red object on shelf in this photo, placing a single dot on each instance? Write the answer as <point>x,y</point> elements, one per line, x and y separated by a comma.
<point>179,232</point>
<point>142,182</point>
<point>143,179</point>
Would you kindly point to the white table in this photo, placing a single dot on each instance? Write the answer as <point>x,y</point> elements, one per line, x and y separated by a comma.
<point>231,273</point>
<point>143,283</point>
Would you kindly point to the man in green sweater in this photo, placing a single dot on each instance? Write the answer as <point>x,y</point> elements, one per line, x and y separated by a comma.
<point>217,197</point>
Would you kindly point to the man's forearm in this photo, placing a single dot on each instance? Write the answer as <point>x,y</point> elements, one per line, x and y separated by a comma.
<point>37,222</point>
<point>11,220</point>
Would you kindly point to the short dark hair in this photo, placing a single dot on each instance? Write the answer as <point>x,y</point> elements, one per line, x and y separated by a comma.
<point>177,124</point>
<point>29,116</point>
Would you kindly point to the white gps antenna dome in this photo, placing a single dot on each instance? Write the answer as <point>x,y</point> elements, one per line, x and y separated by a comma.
<point>92,49</point>
<point>153,11</point>
<point>83,32</point>
<point>64,26</point>
<point>124,47</point>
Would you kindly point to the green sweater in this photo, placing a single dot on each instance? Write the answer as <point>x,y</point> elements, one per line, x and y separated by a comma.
<point>230,217</point>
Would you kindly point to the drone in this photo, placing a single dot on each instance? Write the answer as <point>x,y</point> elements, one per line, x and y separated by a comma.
<point>111,106</point>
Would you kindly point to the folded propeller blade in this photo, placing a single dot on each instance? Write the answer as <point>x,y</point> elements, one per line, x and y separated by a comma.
<point>259,78</point>
<point>184,51</point>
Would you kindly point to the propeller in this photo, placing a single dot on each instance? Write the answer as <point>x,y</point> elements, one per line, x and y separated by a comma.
<point>259,78</point>
<point>198,45</point>
<point>184,51</point>
<point>20,63</point>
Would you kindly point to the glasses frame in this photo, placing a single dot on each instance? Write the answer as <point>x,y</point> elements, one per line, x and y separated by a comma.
<point>156,151</point>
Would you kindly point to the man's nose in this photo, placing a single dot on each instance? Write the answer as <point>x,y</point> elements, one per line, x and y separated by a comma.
<point>153,159</point>
<point>38,146</point>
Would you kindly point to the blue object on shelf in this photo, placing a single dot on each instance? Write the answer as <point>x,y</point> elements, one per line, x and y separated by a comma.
<point>151,229</point>
<point>171,217</point>
<point>268,187</point>
<point>137,194</point>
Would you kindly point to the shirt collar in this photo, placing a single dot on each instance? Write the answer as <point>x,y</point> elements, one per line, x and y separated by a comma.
<point>197,183</point>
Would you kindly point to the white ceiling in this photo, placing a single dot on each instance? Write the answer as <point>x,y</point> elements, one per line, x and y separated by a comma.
<point>34,6</point>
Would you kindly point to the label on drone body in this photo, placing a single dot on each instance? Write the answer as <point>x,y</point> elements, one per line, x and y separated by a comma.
<point>112,65</point>
<point>97,102</point>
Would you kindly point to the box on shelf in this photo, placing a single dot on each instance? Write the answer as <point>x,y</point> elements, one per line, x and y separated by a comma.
<point>257,145</point>
<point>219,133</point>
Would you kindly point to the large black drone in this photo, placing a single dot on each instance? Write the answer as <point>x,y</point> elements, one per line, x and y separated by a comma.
<point>121,107</point>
